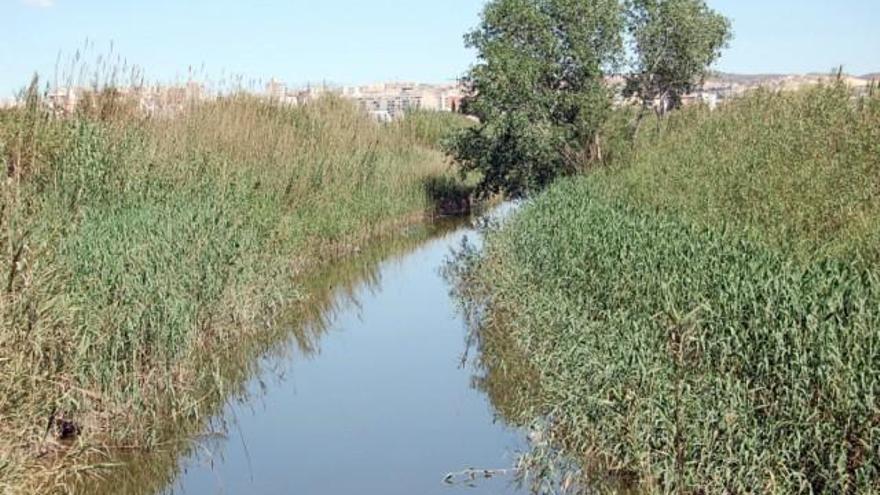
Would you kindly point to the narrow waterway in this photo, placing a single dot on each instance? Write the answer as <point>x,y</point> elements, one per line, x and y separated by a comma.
<point>372,399</point>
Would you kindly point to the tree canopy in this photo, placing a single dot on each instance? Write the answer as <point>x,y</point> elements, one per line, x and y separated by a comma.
<point>674,42</point>
<point>539,86</point>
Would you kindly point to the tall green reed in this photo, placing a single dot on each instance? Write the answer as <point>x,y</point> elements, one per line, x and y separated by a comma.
<point>702,318</point>
<point>137,249</point>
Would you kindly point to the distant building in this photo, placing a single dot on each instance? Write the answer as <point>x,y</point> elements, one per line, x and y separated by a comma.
<point>381,116</point>
<point>709,99</point>
<point>63,100</point>
<point>395,100</point>
<point>276,90</point>
<point>383,101</point>
<point>312,93</point>
<point>452,102</point>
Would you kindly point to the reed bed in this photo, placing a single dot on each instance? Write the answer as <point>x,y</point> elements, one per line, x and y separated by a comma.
<point>431,128</point>
<point>703,318</point>
<point>136,250</point>
<point>297,331</point>
<point>797,169</point>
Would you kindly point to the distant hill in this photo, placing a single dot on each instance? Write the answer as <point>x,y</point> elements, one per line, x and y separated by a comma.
<point>746,79</point>
<point>743,82</point>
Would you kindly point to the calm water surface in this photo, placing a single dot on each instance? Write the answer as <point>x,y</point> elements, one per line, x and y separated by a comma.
<point>377,404</point>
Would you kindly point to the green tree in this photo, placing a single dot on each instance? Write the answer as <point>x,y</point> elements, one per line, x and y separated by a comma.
<point>538,89</point>
<point>674,43</point>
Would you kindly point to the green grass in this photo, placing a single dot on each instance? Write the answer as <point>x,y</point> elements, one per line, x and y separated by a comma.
<point>704,318</point>
<point>298,331</point>
<point>431,128</point>
<point>136,251</point>
<point>796,169</point>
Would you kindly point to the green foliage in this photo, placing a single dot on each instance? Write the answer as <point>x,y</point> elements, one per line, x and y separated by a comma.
<point>138,251</point>
<point>705,319</point>
<point>674,42</point>
<point>794,169</point>
<point>537,89</point>
<point>431,128</point>
<point>540,90</point>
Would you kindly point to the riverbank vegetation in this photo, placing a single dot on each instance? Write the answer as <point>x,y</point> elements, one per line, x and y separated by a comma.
<point>137,250</point>
<point>702,317</point>
<point>540,88</point>
<point>296,333</point>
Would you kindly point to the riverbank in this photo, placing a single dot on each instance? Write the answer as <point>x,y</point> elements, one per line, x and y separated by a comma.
<point>702,318</point>
<point>140,250</point>
<point>263,431</point>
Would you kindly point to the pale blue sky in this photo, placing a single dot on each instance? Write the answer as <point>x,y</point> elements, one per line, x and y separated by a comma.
<point>356,41</point>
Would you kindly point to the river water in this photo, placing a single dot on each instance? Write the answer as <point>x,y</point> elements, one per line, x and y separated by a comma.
<point>372,399</point>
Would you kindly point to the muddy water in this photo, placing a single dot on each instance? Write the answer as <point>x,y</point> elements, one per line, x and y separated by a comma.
<point>368,398</point>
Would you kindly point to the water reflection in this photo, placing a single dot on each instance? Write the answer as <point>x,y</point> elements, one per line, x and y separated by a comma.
<point>504,373</point>
<point>366,396</point>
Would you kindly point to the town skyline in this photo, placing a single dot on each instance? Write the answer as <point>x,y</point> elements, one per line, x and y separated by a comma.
<point>349,43</point>
<point>390,100</point>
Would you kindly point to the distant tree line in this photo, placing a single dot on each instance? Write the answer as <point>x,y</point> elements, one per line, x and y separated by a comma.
<point>539,86</point>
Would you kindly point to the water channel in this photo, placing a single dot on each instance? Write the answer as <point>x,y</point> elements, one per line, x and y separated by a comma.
<point>369,397</point>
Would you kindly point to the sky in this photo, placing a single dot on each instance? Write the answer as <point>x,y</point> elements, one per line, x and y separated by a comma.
<point>360,41</point>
